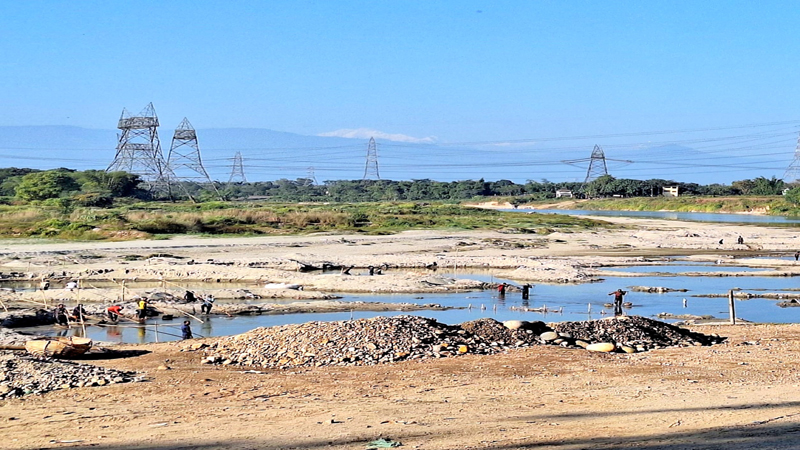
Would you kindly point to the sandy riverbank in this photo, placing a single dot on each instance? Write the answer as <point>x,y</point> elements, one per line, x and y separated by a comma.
<point>738,395</point>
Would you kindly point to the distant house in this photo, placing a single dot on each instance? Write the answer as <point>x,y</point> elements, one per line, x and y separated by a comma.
<point>563,193</point>
<point>670,191</point>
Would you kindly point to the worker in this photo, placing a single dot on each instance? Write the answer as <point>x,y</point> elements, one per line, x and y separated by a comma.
<point>186,330</point>
<point>189,297</point>
<point>45,285</point>
<point>78,313</point>
<point>526,289</point>
<point>208,302</point>
<point>114,312</point>
<point>618,296</point>
<point>501,290</point>
<point>141,308</point>
<point>72,285</point>
<point>60,314</point>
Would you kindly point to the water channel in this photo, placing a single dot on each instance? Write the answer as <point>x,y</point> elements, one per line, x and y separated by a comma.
<point>571,301</point>
<point>669,215</point>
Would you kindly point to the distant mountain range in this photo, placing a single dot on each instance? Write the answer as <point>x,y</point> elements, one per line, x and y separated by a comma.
<point>272,155</point>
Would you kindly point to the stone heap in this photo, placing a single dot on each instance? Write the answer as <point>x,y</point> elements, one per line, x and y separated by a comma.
<point>518,333</point>
<point>23,375</point>
<point>355,342</point>
<point>389,339</point>
<point>635,332</point>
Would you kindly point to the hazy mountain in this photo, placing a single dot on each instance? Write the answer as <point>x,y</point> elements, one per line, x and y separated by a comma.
<point>271,155</point>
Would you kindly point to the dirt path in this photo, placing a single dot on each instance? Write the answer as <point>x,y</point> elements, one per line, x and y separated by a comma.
<point>739,395</point>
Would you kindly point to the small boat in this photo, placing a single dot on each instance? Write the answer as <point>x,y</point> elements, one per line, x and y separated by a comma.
<point>283,286</point>
<point>59,347</point>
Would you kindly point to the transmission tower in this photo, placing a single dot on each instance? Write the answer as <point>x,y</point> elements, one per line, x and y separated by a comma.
<point>793,172</point>
<point>139,149</point>
<point>312,180</point>
<point>237,172</point>
<point>597,165</point>
<point>371,168</point>
<point>184,160</point>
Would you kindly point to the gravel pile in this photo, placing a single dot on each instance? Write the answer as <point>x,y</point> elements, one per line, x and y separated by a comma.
<point>389,339</point>
<point>355,342</point>
<point>23,375</point>
<point>494,331</point>
<point>636,332</point>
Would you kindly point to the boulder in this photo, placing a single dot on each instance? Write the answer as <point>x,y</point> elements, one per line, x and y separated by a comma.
<point>549,336</point>
<point>514,324</point>
<point>605,347</point>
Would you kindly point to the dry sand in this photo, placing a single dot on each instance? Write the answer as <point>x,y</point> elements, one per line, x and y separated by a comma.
<point>739,395</point>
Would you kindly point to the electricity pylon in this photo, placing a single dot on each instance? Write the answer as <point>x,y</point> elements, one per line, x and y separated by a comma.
<point>139,149</point>
<point>793,171</point>
<point>184,160</point>
<point>371,167</point>
<point>237,172</point>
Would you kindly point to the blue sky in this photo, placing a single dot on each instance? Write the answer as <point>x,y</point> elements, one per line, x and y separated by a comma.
<point>450,71</point>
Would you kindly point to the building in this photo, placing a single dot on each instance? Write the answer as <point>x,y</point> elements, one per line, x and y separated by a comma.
<point>670,191</point>
<point>563,193</point>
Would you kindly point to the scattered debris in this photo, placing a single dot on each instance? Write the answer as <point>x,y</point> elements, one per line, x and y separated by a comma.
<point>23,375</point>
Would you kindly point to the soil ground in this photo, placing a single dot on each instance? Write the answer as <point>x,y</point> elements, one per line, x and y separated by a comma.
<point>742,394</point>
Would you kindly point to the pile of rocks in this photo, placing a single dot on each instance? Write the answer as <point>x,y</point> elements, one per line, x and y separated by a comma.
<point>389,339</point>
<point>516,332</point>
<point>23,375</point>
<point>356,342</point>
<point>635,332</point>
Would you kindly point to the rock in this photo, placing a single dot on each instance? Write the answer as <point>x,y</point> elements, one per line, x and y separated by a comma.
<point>627,349</point>
<point>601,347</point>
<point>163,367</point>
<point>582,344</point>
<point>514,324</point>
<point>549,336</point>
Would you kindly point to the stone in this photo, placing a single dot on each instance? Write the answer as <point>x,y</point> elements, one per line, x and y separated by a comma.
<point>549,336</point>
<point>514,324</point>
<point>627,349</point>
<point>601,347</point>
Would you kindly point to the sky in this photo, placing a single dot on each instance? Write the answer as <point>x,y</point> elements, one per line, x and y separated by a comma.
<point>627,75</point>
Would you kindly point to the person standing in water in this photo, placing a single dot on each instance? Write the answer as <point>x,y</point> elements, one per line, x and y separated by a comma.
<point>619,294</point>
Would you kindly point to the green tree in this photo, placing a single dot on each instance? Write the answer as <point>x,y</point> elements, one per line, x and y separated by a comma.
<point>793,196</point>
<point>44,185</point>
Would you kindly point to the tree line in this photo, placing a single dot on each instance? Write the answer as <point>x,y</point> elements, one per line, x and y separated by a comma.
<point>100,188</point>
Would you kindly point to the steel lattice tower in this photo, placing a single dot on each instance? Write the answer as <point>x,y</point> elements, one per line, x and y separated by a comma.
<point>793,172</point>
<point>312,179</point>
<point>184,160</point>
<point>139,148</point>
<point>237,172</point>
<point>371,167</point>
<point>597,165</point>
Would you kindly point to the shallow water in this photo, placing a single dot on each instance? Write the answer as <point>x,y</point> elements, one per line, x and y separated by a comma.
<point>572,299</point>
<point>669,215</point>
<point>684,268</point>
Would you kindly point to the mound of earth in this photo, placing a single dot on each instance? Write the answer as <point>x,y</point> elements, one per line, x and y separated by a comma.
<point>494,331</point>
<point>389,339</point>
<point>354,342</point>
<point>637,332</point>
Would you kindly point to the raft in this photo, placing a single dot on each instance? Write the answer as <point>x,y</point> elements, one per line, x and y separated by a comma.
<point>59,347</point>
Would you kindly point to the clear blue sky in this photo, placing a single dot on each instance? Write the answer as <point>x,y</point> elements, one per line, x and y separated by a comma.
<point>457,70</point>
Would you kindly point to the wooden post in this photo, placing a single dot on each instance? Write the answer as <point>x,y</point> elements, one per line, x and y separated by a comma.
<point>156,332</point>
<point>731,307</point>
<point>123,291</point>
